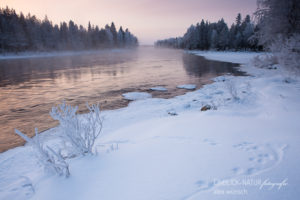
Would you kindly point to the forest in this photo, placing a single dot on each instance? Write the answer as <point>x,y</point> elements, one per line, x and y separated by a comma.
<point>28,33</point>
<point>217,36</point>
<point>275,28</point>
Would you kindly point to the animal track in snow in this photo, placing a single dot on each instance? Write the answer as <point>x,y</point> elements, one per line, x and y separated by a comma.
<point>20,185</point>
<point>237,170</point>
<point>202,186</point>
<point>261,157</point>
<point>210,142</point>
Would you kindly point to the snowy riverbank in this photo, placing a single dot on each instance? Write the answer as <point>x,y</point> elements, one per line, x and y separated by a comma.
<point>145,151</point>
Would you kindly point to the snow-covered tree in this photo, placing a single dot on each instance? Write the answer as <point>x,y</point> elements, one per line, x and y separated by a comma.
<point>114,33</point>
<point>238,20</point>
<point>279,29</point>
<point>129,39</point>
<point>277,17</point>
<point>20,33</point>
<point>217,36</point>
<point>214,39</point>
<point>121,35</point>
<point>109,36</point>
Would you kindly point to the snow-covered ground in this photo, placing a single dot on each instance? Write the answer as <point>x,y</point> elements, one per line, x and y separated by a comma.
<point>228,56</point>
<point>247,147</point>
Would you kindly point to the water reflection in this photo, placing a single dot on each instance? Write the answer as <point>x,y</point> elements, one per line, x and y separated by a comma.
<point>18,71</point>
<point>30,87</point>
<point>199,66</point>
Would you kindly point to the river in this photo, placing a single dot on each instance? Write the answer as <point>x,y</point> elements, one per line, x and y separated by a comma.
<point>29,87</point>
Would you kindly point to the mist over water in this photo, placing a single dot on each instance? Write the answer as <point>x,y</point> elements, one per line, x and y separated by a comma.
<point>30,87</point>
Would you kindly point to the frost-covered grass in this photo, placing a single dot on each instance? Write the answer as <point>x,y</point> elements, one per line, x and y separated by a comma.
<point>52,160</point>
<point>146,153</point>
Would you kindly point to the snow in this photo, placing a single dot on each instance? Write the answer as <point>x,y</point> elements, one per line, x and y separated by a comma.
<point>159,88</point>
<point>187,86</point>
<point>228,56</point>
<point>136,95</point>
<point>146,153</point>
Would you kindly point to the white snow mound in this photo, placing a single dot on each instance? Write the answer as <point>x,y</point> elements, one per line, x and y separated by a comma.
<point>136,95</point>
<point>159,88</point>
<point>187,86</point>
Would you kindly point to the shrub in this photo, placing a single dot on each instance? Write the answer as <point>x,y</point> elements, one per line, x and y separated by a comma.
<point>81,132</point>
<point>265,61</point>
<point>48,157</point>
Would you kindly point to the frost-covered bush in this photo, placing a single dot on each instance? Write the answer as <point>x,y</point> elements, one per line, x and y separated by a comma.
<point>52,160</point>
<point>264,61</point>
<point>79,131</point>
<point>232,90</point>
<point>287,51</point>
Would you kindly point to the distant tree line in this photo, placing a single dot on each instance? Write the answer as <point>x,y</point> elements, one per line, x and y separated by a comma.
<point>20,33</point>
<point>206,35</point>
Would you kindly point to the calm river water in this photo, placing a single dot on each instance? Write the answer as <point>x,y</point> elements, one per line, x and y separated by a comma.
<point>29,87</point>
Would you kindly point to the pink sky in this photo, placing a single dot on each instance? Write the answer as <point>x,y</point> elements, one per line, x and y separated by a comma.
<point>149,20</point>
